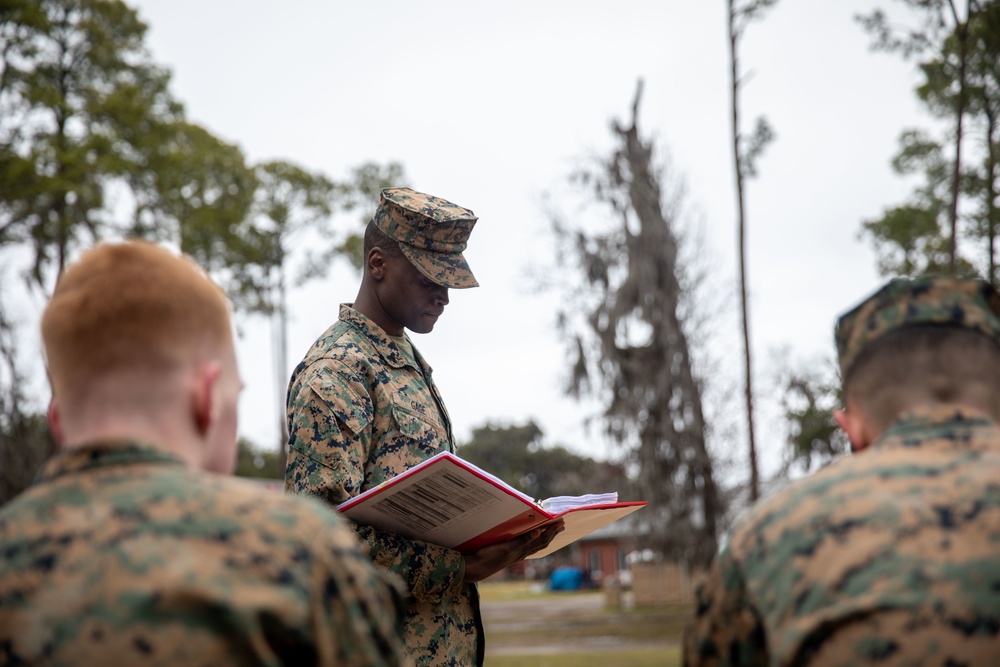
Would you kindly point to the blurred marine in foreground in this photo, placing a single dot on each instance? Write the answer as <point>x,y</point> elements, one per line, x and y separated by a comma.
<point>890,556</point>
<point>132,548</point>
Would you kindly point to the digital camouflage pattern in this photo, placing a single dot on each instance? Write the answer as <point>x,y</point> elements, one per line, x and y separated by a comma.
<point>119,555</point>
<point>432,233</point>
<point>890,557</point>
<point>359,413</point>
<point>904,302</point>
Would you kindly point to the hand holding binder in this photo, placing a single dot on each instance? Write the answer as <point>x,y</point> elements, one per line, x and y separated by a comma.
<point>492,558</point>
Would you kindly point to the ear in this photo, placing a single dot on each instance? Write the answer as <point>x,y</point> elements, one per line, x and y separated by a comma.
<point>55,422</point>
<point>854,425</point>
<point>203,403</point>
<point>376,263</point>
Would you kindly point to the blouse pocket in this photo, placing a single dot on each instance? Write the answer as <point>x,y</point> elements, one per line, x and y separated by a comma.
<point>416,428</point>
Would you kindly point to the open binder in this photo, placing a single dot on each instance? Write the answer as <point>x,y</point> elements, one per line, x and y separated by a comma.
<point>451,502</point>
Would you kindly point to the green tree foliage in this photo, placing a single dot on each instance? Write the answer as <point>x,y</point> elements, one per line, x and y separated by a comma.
<point>259,463</point>
<point>197,191</point>
<point>983,87</point>
<point>957,196</point>
<point>909,239</point>
<point>78,99</point>
<point>505,451</point>
<point>93,145</point>
<point>358,195</point>
<point>25,442</point>
<point>627,324</point>
<point>290,202</point>
<point>808,401</point>
<point>960,69</point>
<point>515,454</point>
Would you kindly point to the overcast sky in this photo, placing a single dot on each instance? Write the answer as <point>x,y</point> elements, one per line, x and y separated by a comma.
<point>492,104</point>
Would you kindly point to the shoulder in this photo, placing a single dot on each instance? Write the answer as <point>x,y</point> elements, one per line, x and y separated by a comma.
<point>796,505</point>
<point>884,490</point>
<point>344,351</point>
<point>279,513</point>
<point>336,386</point>
<point>351,336</point>
<point>341,361</point>
<point>342,342</point>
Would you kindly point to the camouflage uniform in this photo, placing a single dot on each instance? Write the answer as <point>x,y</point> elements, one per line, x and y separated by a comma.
<point>119,555</point>
<point>888,557</point>
<point>361,410</point>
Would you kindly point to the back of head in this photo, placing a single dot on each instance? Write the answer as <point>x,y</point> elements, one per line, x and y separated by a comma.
<point>125,312</point>
<point>925,365</point>
<point>922,340</point>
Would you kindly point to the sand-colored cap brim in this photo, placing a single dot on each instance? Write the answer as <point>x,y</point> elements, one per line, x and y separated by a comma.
<point>447,269</point>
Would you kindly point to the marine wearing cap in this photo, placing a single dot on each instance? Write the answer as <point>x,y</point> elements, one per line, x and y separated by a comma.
<point>348,433</point>
<point>890,556</point>
<point>909,302</point>
<point>432,233</point>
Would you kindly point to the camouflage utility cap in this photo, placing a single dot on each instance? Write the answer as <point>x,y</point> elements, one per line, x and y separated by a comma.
<point>908,302</point>
<point>432,233</point>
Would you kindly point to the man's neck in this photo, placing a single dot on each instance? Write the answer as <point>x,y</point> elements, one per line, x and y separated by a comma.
<point>367,304</point>
<point>137,429</point>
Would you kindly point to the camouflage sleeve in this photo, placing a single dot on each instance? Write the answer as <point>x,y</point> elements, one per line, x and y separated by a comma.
<point>329,425</point>
<point>726,630</point>
<point>329,446</point>
<point>359,609</point>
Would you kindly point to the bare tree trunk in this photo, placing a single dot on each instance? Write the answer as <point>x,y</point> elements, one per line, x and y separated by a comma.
<point>649,387</point>
<point>655,272</point>
<point>60,205</point>
<point>741,212</point>
<point>280,367</point>
<point>962,32</point>
<point>991,194</point>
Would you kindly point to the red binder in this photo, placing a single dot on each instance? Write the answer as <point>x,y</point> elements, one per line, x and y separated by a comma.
<point>451,502</point>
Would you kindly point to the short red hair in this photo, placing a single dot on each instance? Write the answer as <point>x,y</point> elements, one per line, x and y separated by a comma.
<point>129,306</point>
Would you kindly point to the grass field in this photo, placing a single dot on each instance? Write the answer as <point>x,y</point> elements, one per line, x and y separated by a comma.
<point>493,591</point>
<point>660,657</point>
<point>527,626</point>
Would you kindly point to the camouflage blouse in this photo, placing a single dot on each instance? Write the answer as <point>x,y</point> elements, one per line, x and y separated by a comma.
<point>119,555</point>
<point>887,557</point>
